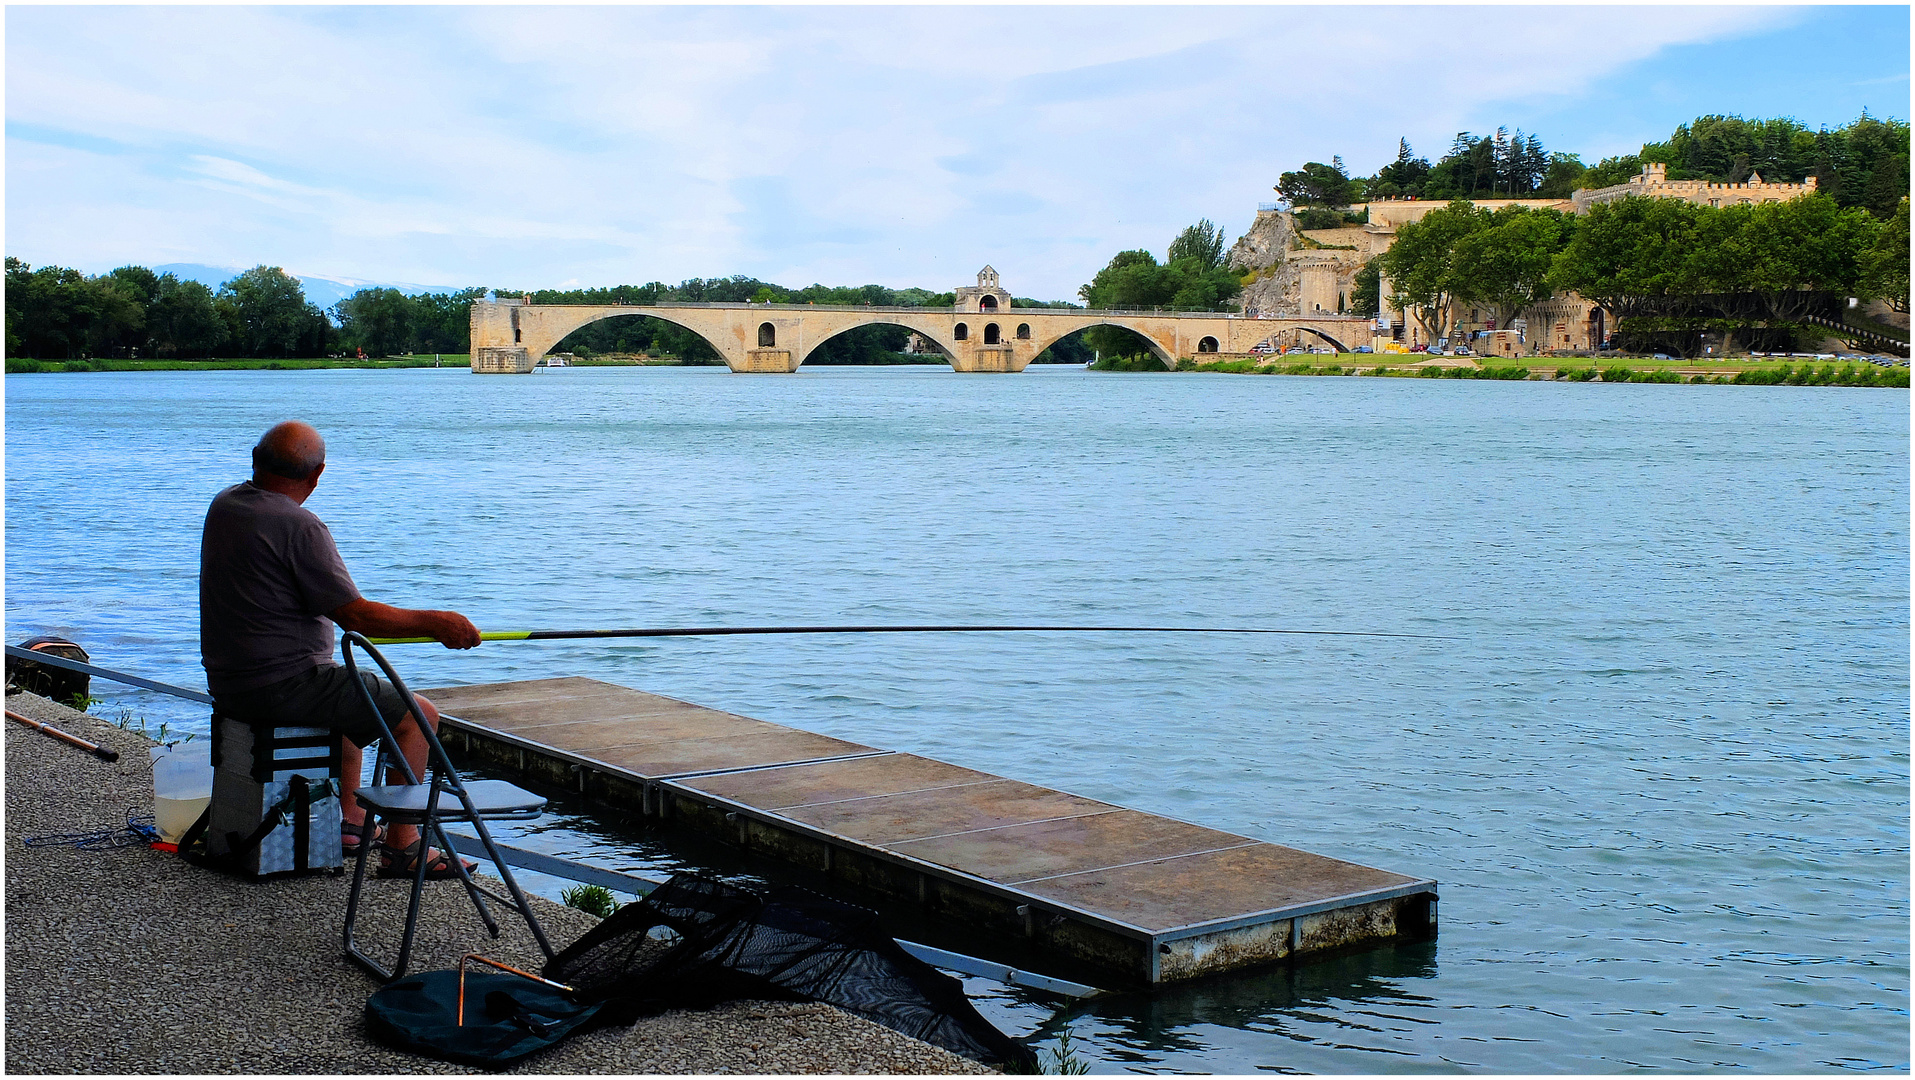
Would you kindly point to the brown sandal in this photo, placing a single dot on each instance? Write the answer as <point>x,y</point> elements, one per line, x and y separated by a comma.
<point>404,863</point>
<point>350,840</point>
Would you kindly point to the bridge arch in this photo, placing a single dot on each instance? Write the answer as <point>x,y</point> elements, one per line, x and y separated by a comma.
<point>563,330</point>
<point>1157,347</point>
<point>1334,343</point>
<point>926,333</point>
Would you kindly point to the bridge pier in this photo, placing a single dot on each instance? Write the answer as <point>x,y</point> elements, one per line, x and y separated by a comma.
<point>992,358</point>
<point>765,361</point>
<point>502,360</point>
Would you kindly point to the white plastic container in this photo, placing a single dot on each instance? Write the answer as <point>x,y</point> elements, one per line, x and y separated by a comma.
<point>182,786</point>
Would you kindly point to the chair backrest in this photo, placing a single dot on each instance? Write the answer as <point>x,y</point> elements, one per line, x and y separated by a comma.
<point>437,760</point>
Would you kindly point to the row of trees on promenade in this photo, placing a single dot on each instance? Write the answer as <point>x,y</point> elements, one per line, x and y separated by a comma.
<point>1665,267</point>
<point>1862,164</point>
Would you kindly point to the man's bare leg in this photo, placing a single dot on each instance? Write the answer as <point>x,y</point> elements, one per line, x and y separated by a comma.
<point>412,746</point>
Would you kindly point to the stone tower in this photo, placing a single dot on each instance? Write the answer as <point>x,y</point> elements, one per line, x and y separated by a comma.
<point>986,295</point>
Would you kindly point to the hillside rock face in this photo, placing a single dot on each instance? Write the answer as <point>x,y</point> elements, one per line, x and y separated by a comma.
<point>1299,272</point>
<point>1266,249</point>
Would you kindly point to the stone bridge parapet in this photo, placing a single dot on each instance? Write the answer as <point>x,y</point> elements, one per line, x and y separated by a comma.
<point>510,336</point>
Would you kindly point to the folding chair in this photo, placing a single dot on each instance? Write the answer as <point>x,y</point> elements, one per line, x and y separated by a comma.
<point>420,804</point>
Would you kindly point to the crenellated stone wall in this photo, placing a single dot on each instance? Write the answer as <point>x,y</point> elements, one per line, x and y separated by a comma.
<point>1653,182</point>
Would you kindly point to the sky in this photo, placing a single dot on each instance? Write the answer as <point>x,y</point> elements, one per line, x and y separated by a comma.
<point>557,147</point>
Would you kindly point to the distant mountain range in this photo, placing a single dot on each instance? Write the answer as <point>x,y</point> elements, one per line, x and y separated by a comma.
<point>321,290</point>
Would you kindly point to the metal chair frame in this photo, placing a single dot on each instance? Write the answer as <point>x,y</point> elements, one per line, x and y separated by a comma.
<point>398,804</point>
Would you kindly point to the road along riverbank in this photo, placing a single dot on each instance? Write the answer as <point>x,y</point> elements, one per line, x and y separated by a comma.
<point>135,961</point>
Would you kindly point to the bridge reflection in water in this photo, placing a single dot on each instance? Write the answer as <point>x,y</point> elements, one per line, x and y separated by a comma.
<point>980,332</point>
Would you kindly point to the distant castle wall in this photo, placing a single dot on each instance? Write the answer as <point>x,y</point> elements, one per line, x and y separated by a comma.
<point>1654,182</point>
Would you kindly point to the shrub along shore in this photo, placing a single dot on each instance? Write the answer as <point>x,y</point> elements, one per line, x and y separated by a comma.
<point>1736,373</point>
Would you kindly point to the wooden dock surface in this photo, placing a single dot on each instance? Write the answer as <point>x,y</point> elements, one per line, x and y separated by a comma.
<point>1149,897</point>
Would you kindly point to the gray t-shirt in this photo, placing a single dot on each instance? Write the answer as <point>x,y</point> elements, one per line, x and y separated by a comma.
<point>269,573</point>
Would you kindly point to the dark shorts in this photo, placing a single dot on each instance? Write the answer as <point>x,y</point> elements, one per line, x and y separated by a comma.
<point>323,697</point>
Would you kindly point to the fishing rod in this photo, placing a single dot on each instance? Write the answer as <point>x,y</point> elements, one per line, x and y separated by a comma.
<point>717,631</point>
<point>100,752</point>
<point>18,653</point>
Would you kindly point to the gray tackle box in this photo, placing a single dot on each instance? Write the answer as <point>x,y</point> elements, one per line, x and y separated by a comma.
<point>287,774</point>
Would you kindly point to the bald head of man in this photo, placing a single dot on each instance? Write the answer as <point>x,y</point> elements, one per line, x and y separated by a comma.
<point>289,459</point>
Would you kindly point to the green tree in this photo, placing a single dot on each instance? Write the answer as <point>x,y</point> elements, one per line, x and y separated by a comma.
<point>271,314</point>
<point>1202,242</point>
<point>1562,177</point>
<point>1132,279</point>
<point>379,321</point>
<point>52,312</point>
<point>1366,298</point>
<point>1886,275</point>
<point>1802,247</point>
<point>116,316</point>
<point>1421,264</point>
<point>182,320</point>
<point>1611,171</point>
<point>1504,263</point>
<point>1402,178</point>
<point>1317,184</point>
<point>442,322</point>
<point>1628,249</point>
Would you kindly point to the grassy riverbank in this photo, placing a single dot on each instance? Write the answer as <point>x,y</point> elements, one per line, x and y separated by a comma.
<point>22,366</point>
<point>1746,372</point>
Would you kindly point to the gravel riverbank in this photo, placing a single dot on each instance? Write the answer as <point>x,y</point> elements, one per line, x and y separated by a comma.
<point>134,961</point>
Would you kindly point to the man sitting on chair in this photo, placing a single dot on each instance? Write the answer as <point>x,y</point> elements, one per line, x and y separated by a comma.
<point>272,586</point>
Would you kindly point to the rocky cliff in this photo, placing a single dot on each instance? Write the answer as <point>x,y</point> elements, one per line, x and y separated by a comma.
<point>1266,250</point>
<point>1299,271</point>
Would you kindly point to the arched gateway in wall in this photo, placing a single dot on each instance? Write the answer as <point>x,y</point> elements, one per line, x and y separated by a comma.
<point>980,332</point>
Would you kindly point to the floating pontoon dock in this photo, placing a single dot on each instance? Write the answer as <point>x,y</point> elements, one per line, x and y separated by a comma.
<point>1150,898</point>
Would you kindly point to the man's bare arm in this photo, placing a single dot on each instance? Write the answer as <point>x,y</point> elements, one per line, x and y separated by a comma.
<point>374,619</point>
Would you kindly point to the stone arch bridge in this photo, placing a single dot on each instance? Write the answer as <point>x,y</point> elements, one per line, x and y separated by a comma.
<point>979,333</point>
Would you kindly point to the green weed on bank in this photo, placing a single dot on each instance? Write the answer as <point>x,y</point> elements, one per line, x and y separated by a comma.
<point>1849,374</point>
<point>1504,373</point>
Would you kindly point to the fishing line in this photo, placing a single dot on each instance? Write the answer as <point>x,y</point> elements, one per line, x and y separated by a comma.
<point>137,832</point>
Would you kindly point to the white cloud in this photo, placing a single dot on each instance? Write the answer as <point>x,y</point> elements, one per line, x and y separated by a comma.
<point>525,146</point>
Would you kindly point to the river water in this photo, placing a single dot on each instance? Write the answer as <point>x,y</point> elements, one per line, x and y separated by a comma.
<point>1655,750</point>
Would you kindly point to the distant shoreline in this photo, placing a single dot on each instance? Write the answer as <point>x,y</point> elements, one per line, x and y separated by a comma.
<point>1798,371</point>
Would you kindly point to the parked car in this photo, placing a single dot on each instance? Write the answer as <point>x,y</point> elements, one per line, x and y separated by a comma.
<point>1660,356</point>
<point>1419,348</point>
<point>1363,349</point>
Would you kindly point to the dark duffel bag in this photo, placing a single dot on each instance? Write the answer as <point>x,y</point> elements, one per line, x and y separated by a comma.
<point>61,685</point>
<point>506,1017</point>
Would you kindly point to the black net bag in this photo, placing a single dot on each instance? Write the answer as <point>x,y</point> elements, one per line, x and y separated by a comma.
<point>695,942</point>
